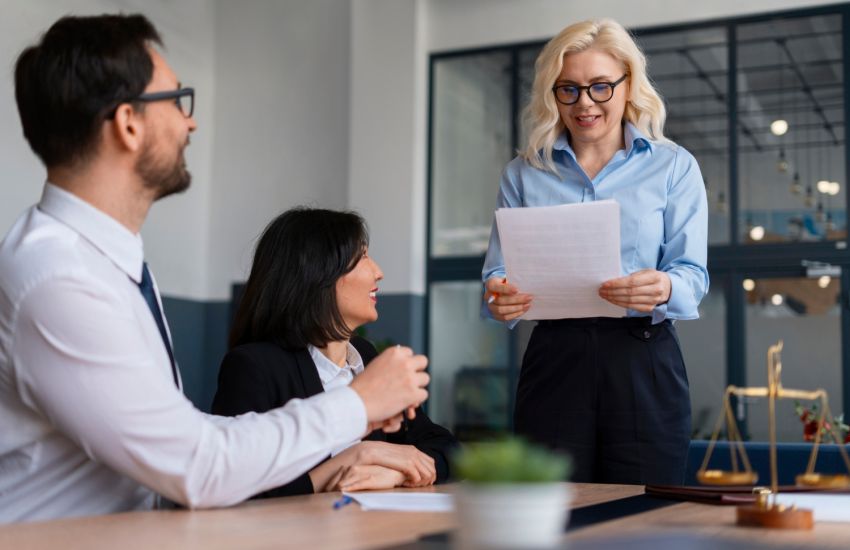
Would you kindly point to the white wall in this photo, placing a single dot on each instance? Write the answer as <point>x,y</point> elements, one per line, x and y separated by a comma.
<point>457,24</point>
<point>387,138</point>
<point>282,121</point>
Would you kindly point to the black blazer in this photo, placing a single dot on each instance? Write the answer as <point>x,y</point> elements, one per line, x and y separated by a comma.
<point>261,376</point>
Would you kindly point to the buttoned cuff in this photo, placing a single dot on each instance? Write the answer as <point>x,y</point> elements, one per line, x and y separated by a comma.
<point>681,304</point>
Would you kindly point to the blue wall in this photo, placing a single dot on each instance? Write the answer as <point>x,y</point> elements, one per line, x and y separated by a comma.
<point>199,332</point>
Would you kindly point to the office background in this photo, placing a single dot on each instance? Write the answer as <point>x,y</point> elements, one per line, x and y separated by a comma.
<point>326,103</point>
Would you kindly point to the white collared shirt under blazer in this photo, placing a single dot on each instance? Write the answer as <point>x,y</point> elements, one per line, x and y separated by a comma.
<point>333,376</point>
<point>90,419</point>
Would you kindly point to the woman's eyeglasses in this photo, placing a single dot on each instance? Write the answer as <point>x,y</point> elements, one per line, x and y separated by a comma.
<point>598,92</point>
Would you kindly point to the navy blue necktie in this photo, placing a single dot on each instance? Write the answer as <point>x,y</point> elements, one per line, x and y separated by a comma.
<point>146,288</point>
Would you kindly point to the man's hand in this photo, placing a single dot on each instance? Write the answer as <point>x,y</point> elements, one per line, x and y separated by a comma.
<point>504,300</point>
<point>394,382</point>
<point>640,291</point>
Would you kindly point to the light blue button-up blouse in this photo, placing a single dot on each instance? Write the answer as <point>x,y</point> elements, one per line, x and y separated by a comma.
<point>663,212</point>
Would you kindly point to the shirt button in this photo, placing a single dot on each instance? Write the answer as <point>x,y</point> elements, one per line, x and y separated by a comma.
<point>646,334</point>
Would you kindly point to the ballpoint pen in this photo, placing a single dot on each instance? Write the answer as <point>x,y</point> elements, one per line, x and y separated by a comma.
<point>342,501</point>
<point>494,295</point>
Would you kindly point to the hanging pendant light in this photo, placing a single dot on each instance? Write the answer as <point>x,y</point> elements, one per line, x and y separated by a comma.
<point>810,196</point>
<point>796,186</point>
<point>721,202</point>
<point>782,163</point>
<point>820,215</point>
<point>778,127</point>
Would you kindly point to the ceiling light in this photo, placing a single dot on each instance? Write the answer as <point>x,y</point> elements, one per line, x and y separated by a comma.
<point>782,163</point>
<point>823,186</point>
<point>776,299</point>
<point>834,188</point>
<point>749,285</point>
<point>796,187</point>
<point>824,281</point>
<point>778,127</point>
<point>721,202</point>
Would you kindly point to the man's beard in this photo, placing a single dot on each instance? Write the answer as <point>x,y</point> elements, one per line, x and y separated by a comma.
<point>165,179</point>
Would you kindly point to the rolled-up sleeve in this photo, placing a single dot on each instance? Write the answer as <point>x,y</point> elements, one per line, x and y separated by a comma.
<point>684,250</point>
<point>510,196</point>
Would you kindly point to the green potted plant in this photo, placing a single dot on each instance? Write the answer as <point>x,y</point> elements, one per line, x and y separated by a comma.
<point>512,495</point>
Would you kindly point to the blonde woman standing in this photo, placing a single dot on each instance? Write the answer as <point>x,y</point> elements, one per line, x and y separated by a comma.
<point>611,391</point>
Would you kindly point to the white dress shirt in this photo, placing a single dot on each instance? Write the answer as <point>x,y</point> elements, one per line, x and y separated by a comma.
<point>333,376</point>
<point>90,419</point>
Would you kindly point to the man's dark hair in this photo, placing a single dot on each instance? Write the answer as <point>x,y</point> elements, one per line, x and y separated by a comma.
<point>69,83</point>
<point>290,296</point>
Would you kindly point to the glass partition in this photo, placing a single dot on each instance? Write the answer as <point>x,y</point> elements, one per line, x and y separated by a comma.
<point>805,314</point>
<point>468,363</point>
<point>690,70</point>
<point>791,130</point>
<point>770,85</point>
<point>472,133</point>
<point>703,343</point>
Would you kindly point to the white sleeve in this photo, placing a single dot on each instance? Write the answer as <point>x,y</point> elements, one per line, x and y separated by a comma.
<point>90,374</point>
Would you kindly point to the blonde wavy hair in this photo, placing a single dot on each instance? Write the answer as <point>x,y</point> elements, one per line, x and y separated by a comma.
<point>644,107</point>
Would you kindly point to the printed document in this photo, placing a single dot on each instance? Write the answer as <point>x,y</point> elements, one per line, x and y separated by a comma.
<point>404,501</point>
<point>560,255</point>
<point>825,507</point>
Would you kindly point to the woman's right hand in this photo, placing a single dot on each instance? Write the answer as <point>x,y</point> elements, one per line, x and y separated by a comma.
<point>366,478</point>
<point>418,468</point>
<point>504,300</point>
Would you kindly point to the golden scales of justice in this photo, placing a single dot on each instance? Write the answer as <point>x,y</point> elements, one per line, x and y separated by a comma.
<point>767,512</point>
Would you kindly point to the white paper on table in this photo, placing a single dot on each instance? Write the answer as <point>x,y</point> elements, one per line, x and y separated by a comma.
<point>560,255</point>
<point>404,502</point>
<point>825,507</point>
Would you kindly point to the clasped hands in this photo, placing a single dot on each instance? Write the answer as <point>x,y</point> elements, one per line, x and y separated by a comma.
<point>374,465</point>
<point>640,291</point>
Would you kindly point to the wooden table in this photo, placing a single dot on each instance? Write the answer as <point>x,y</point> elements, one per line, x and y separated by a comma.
<point>310,522</point>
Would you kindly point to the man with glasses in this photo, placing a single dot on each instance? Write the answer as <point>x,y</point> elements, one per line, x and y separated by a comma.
<point>92,419</point>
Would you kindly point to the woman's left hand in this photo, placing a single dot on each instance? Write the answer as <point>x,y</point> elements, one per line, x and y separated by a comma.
<point>640,291</point>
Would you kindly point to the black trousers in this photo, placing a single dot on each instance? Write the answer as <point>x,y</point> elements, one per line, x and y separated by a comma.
<point>613,393</point>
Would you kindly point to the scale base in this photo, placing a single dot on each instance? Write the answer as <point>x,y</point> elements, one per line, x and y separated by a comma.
<point>775,517</point>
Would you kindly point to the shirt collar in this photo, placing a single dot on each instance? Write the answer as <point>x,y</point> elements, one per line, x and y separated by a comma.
<point>632,137</point>
<point>116,242</point>
<point>635,139</point>
<point>328,370</point>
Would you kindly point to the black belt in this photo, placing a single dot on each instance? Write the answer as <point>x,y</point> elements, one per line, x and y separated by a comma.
<point>620,322</point>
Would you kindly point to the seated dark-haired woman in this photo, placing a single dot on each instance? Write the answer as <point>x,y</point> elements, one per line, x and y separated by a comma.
<point>311,285</point>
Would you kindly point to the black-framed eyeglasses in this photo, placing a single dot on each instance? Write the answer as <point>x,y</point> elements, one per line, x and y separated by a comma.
<point>184,98</point>
<point>598,92</point>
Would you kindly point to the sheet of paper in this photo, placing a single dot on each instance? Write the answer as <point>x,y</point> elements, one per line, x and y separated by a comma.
<point>405,502</point>
<point>825,507</point>
<point>561,254</point>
